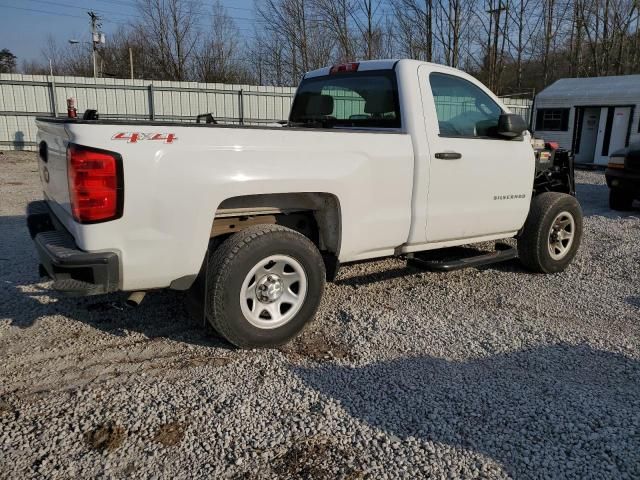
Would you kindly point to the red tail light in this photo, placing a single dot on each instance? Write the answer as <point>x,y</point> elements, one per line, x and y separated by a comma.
<point>96,185</point>
<point>344,68</point>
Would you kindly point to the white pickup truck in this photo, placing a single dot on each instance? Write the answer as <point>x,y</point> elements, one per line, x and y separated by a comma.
<point>378,158</point>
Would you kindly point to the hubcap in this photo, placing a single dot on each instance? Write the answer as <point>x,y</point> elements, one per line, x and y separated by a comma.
<point>561,235</point>
<point>269,288</point>
<point>273,291</point>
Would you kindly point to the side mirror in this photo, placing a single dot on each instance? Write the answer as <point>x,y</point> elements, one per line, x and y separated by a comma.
<point>511,125</point>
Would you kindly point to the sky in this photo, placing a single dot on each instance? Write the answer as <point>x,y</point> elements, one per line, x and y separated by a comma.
<point>25,25</point>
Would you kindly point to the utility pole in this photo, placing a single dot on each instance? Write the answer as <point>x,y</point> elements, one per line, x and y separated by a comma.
<point>131,61</point>
<point>95,39</point>
<point>429,24</point>
<point>493,65</point>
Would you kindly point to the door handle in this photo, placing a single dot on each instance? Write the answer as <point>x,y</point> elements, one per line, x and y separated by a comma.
<point>448,156</point>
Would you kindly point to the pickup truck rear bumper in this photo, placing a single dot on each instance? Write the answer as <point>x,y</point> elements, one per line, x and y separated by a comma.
<point>74,271</point>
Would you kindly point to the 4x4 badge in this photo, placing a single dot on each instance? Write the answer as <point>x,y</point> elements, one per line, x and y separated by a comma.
<point>135,137</point>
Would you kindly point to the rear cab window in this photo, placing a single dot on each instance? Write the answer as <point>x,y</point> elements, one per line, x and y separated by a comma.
<point>367,99</point>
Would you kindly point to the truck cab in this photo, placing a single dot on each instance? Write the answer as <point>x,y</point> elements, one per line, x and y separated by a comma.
<point>469,181</point>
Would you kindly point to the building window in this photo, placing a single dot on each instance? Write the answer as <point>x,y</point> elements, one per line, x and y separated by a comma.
<point>552,119</point>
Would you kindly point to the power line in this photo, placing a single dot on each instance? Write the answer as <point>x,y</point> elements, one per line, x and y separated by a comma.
<point>41,11</point>
<point>134,4</point>
<point>66,5</point>
<point>224,6</point>
<point>251,31</point>
<point>106,20</point>
<point>111,12</point>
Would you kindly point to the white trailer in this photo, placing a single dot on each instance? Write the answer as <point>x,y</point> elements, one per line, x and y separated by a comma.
<point>593,117</point>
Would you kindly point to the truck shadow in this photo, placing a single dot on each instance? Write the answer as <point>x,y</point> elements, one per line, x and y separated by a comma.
<point>594,199</point>
<point>634,301</point>
<point>376,276</point>
<point>408,271</point>
<point>550,412</point>
<point>25,298</point>
<point>162,315</point>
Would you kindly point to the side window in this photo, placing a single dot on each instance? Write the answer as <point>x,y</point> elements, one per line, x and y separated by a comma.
<point>463,109</point>
<point>552,119</point>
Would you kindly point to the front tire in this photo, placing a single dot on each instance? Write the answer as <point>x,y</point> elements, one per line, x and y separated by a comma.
<point>620,200</point>
<point>265,284</point>
<point>552,233</point>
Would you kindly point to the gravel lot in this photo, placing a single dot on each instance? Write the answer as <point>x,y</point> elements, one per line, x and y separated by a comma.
<point>490,372</point>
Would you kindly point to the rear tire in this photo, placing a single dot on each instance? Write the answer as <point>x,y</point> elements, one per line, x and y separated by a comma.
<point>552,233</point>
<point>620,200</point>
<point>265,284</point>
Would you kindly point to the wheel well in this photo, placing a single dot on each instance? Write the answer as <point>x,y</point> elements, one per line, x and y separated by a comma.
<point>315,215</point>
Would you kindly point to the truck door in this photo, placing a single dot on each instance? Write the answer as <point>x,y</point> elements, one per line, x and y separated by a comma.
<point>479,184</point>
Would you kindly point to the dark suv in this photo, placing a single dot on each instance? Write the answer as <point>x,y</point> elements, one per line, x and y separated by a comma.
<point>623,177</point>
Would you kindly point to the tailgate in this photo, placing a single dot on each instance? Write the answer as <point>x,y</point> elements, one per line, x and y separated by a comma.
<point>52,141</point>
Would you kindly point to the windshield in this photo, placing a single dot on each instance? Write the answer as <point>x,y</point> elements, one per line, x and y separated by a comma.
<point>359,99</point>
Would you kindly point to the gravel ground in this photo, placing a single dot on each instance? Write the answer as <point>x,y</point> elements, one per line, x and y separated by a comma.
<point>489,372</point>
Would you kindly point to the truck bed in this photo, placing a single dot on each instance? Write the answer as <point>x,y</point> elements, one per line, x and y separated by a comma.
<point>175,187</point>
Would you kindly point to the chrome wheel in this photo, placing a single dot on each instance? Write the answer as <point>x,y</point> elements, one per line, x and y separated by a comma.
<point>561,235</point>
<point>273,291</point>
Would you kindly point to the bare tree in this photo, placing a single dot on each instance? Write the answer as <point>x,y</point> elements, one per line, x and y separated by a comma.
<point>217,59</point>
<point>268,54</point>
<point>526,21</point>
<point>303,37</point>
<point>68,59</point>
<point>114,55</point>
<point>336,16</point>
<point>367,21</point>
<point>415,17</point>
<point>170,31</point>
<point>452,19</point>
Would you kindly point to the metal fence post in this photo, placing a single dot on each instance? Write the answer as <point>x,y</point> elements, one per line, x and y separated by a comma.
<point>152,113</point>
<point>52,96</point>
<point>241,105</point>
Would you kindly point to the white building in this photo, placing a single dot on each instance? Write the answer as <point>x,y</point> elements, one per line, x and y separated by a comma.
<point>593,117</point>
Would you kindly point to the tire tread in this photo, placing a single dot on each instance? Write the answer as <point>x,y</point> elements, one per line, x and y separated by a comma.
<point>533,233</point>
<point>220,265</point>
<point>620,200</point>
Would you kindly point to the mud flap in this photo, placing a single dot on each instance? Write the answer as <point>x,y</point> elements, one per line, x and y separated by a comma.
<point>196,295</point>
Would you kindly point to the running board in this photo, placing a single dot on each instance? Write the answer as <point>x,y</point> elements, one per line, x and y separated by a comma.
<point>502,253</point>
